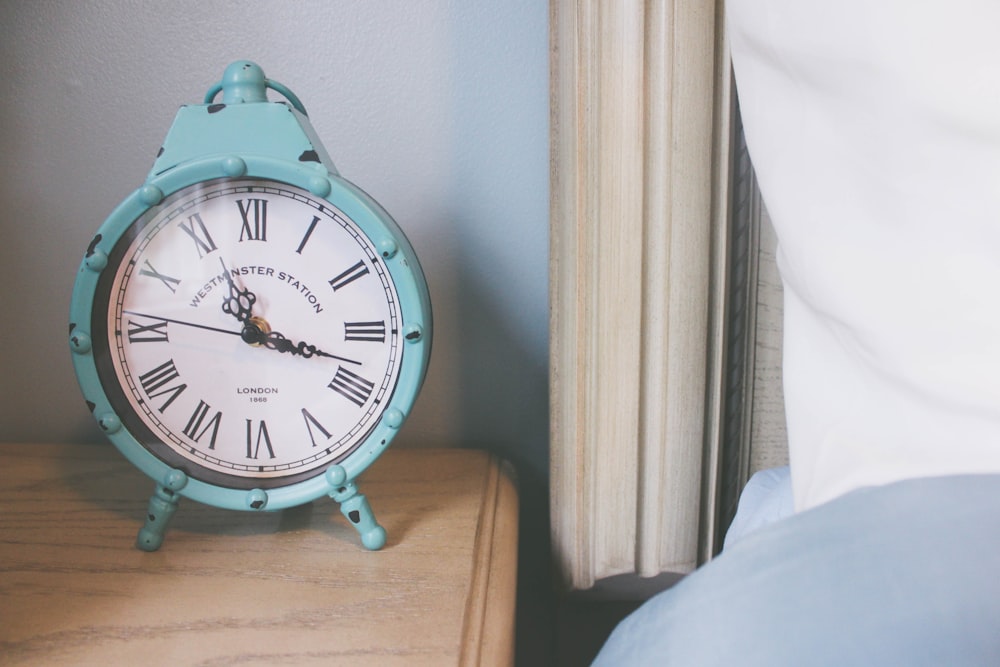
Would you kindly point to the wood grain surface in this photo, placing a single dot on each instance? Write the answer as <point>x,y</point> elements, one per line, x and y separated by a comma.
<point>285,588</point>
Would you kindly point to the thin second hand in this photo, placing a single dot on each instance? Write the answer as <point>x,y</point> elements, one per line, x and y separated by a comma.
<point>319,353</point>
<point>181,322</point>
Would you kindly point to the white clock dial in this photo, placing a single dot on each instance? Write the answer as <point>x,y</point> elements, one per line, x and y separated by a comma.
<point>252,329</point>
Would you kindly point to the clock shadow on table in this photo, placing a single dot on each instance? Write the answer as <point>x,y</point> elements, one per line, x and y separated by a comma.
<point>119,495</point>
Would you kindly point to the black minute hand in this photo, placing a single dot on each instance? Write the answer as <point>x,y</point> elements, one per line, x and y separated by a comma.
<point>275,340</point>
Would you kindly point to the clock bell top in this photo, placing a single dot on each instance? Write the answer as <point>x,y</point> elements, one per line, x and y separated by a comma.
<point>245,122</point>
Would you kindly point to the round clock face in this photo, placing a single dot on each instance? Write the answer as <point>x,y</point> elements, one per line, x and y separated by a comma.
<point>247,332</point>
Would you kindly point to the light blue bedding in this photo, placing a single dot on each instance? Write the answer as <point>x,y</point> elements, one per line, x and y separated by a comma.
<point>902,574</point>
<point>766,498</point>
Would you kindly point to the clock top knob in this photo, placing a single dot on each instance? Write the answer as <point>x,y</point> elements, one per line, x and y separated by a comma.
<point>244,81</point>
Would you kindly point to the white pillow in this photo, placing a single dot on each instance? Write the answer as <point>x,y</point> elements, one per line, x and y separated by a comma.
<point>874,128</point>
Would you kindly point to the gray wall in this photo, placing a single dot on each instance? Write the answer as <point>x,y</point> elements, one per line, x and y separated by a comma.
<point>438,109</point>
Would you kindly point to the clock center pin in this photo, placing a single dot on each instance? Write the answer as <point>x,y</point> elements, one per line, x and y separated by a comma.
<point>255,331</point>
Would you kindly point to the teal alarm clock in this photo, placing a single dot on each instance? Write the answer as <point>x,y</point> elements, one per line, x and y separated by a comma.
<point>249,328</point>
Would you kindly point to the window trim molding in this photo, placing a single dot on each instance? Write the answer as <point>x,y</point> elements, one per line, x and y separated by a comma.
<point>640,136</point>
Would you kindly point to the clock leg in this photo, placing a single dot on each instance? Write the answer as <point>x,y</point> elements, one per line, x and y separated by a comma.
<point>162,506</point>
<point>355,507</point>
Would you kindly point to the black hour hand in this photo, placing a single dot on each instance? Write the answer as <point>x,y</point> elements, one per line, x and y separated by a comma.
<point>240,302</point>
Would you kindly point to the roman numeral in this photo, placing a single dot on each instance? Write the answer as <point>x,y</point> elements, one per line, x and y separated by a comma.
<point>197,419</point>
<point>254,216</point>
<point>253,451</point>
<point>155,383</point>
<point>349,276</point>
<point>163,278</point>
<point>351,386</point>
<point>202,239</point>
<point>147,333</point>
<point>373,332</point>
<point>312,226</point>
<point>309,419</point>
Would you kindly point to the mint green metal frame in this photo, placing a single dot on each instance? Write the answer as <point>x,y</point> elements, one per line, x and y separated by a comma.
<point>247,136</point>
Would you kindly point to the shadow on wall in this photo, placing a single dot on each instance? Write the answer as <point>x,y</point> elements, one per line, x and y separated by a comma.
<point>503,408</point>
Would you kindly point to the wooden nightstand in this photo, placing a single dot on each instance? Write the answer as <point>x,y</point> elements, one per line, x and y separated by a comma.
<point>292,587</point>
